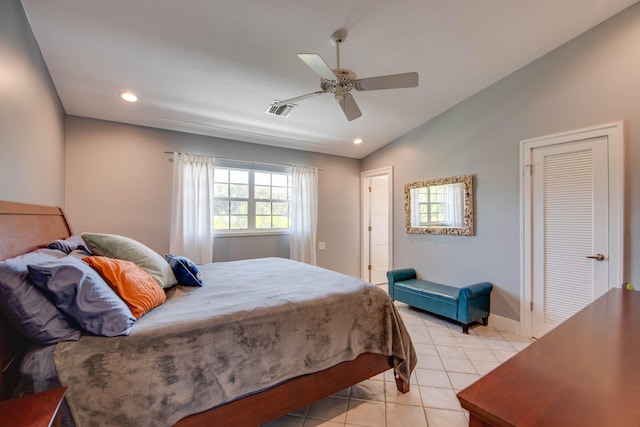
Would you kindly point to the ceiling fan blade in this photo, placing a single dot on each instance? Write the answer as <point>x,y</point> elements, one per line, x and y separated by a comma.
<point>317,64</point>
<point>349,107</point>
<point>392,81</point>
<point>297,98</point>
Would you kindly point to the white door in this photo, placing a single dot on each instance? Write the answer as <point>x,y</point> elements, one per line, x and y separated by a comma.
<point>572,199</point>
<point>377,224</point>
<point>378,229</point>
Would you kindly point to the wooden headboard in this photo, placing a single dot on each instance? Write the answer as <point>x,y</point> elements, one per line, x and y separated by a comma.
<point>23,228</point>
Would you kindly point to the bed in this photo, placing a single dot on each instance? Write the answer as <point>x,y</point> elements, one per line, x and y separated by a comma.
<point>281,385</point>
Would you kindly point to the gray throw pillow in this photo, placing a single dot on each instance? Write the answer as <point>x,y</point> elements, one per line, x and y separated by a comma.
<point>81,293</point>
<point>125,248</point>
<point>28,309</point>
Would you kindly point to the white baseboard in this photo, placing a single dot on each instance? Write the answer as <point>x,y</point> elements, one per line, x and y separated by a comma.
<point>504,324</point>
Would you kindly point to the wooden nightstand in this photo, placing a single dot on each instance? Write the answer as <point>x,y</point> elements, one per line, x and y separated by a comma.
<point>32,410</point>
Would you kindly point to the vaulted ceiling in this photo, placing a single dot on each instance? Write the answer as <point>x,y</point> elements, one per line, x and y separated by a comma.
<point>214,67</point>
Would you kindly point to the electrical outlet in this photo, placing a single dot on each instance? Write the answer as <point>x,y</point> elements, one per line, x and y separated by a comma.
<point>322,246</point>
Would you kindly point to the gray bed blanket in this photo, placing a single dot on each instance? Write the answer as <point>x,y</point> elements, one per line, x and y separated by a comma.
<point>254,324</point>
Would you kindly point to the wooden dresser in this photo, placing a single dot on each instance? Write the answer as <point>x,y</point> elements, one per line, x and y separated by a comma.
<point>585,372</point>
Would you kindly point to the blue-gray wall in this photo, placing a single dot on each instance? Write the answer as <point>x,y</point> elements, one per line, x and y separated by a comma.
<point>592,80</point>
<point>119,181</point>
<point>31,116</point>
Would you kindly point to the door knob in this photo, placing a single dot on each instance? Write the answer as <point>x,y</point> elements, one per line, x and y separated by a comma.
<point>598,257</point>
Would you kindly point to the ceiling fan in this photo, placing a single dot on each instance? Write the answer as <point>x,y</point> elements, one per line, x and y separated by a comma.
<point>341,81</point>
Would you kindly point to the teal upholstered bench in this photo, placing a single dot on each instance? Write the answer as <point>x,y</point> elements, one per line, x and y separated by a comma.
<point>465,305</point>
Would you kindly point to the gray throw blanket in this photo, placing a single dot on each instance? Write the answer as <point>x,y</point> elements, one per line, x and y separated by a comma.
<point>254,324</point>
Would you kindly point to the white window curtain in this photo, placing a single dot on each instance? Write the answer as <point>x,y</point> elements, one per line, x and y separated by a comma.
<point>415,207</point>
<point>454,205</point>
<point>192,207</point>
<point>304,214</point>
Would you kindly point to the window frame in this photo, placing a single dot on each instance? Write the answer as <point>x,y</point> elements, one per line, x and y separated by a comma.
<point>251,209</point>
<point>430,205</point>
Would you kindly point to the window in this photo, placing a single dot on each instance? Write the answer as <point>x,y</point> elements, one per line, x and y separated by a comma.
<point>435,205</point>
<point>431,205</point>
<point>251,200</point>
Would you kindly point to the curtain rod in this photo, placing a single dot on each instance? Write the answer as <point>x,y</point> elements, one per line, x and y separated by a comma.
<point>244,161</point>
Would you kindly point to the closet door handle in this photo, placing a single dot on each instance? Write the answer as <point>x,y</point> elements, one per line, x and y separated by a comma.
<point>598,257</point>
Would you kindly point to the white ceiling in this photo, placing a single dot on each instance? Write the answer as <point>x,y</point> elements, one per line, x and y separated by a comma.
<point>212,67</point>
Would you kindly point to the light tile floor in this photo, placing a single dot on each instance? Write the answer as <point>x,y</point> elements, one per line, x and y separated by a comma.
<point>448,361</point>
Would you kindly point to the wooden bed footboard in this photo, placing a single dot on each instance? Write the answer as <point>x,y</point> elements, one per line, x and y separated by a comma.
<point>259,408</point>
<point>24,227</point>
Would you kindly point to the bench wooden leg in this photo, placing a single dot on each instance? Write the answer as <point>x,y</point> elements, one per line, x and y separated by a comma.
<point>465,327</point>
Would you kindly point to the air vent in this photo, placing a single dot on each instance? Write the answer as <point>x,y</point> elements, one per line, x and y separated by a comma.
<point>280,110</point>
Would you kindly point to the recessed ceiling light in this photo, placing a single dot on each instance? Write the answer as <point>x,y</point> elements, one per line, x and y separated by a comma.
<point>129,96</point>
<point>357,141</point>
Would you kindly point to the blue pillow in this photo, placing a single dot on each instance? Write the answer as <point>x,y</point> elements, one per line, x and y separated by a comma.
<point>83,295</point>
<point>28,309</point>
<point>185,270</point>
<point>69,244</point>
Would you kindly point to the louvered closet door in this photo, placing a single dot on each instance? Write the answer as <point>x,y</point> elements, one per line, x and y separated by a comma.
<point>570,224</point>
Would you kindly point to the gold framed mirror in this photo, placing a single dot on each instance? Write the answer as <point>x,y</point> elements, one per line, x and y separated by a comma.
<point>440,206</point>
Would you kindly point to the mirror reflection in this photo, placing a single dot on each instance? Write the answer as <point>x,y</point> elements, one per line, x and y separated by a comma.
<point>440,206</point>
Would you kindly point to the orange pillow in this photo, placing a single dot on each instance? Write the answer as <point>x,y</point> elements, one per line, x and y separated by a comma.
<point>134,285</point>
